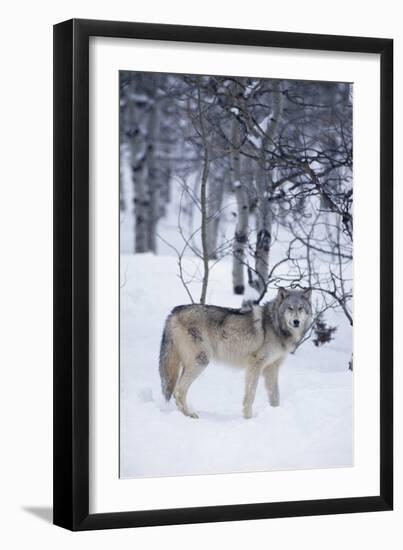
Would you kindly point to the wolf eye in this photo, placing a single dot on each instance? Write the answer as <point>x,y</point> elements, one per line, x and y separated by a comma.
<point>290,308</point>
<point>300,308</point>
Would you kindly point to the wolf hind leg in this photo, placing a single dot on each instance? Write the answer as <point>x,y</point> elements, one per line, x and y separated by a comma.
<point>271,379</point>
<point>189,374</point>
<point>251,379</point>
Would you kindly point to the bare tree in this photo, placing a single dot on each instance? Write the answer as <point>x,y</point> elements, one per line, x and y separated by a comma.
<point>242,200</point>
<point>214,209</point>
<point>203,196</point>
<point>278,152</point>
<point>265,189</point>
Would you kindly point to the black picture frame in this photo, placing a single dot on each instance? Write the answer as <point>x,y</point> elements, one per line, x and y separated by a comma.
<point>71,274</point>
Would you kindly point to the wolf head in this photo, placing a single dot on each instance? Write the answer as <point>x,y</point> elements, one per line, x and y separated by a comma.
<point>294,308</point>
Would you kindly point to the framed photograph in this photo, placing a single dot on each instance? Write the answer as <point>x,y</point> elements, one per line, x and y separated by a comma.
<point>223,319</point>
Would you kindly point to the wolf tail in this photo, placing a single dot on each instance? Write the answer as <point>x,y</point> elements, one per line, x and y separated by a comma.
<point>169,362</point>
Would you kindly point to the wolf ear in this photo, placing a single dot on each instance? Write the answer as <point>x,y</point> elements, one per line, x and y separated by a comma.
<point>282,293</point>
<point>307,293</point>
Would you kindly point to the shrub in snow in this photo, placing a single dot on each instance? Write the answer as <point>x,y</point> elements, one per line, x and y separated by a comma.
<point>323,333</point>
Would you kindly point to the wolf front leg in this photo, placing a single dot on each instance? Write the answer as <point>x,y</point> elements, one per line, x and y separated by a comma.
<point>251,379</point>
<point>271,380</point>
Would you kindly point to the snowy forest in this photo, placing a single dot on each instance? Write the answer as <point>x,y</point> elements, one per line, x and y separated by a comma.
<point>231,187</point>
<point>260,174</point>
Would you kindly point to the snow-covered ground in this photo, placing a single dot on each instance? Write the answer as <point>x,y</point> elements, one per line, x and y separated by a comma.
<point>312,428</point>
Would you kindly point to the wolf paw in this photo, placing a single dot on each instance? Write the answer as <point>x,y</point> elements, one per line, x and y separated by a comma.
<point>190,414</point>
<point>274,398</point>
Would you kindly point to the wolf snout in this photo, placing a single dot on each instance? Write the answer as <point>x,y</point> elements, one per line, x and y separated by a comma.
<point>296,323</point>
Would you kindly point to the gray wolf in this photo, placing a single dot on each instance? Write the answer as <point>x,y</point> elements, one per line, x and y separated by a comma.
<point>257,338</point>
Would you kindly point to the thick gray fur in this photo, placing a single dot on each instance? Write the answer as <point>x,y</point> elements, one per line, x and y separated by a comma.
<point>257,338</point>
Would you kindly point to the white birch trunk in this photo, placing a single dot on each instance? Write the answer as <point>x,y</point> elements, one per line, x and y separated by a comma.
<point>242,200</point>
<point>203,197</point>
<point>215,198</point>
<point>138,172</point>
<point>264,188</point>
<point>152,179</point>
<point>144,179</point>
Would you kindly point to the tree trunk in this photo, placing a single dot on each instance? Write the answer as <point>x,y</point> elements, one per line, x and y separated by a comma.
<point>264,188</point>
<point>203,198</point>
<point>144,175</point>
<point>152,177</point>
<point>215,198</point>
<point>141,203</point>
<point>122,202</point>
<point>242,200</point>
<point>138,155</point>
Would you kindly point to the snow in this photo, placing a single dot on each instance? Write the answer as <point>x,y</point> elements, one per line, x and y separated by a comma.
<point>256,140</point>
<point>249,89</point>
<point>251,294</point>
<point>312,428</point>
